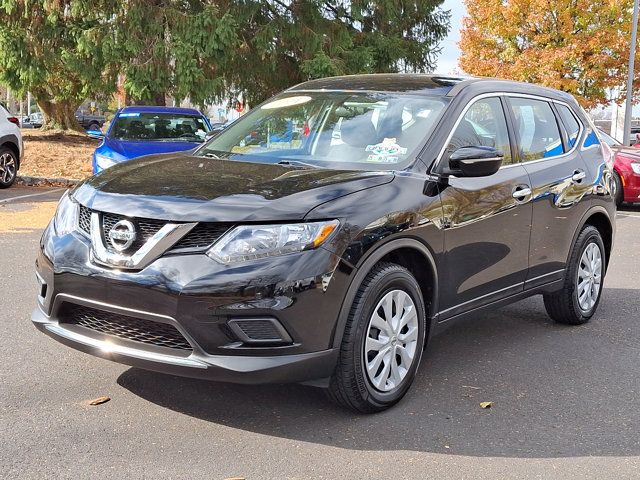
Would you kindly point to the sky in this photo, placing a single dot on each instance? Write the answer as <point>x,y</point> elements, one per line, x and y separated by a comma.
<point>448,58</point>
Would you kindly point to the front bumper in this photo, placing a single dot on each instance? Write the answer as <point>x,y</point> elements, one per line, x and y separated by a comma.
<point>230,368</point>
<point>631,186</point>
<point>199,298</point>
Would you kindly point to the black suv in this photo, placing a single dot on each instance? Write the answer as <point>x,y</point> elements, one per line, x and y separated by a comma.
<point>325,236</point>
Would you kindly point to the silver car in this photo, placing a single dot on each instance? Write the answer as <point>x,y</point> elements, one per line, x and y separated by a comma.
<point>10,148</point>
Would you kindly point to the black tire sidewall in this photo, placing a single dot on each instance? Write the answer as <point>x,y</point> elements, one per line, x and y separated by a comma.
<point>4,150</point>
<point>591,236</point>
<point>397,280</point>
<point>619,195</point>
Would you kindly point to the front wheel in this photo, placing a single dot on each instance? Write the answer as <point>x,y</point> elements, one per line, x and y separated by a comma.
<point>382,343</point>
<point>619,189</point>
<point>578,300</point>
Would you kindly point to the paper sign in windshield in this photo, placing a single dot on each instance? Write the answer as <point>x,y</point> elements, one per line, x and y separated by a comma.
<point>387,147</point>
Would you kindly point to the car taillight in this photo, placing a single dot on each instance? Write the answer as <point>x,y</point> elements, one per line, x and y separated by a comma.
<point>608,154</point>
<point>14,120</point>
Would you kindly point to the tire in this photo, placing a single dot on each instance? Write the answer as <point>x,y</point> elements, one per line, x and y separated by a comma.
<point>351,385</point>
<point>94,126</point>
<point>619,193</point>
<point>8,167</point>
<point>566,306</point>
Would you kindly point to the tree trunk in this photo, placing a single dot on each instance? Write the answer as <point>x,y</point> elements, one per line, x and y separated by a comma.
<point>160,99</point>
<point>60,115</point>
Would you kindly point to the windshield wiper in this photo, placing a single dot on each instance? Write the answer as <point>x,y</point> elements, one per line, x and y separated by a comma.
<point>211,155</point>
<point>297,163</point>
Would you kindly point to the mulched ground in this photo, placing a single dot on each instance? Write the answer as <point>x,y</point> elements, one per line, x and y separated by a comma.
<point>54,153</point>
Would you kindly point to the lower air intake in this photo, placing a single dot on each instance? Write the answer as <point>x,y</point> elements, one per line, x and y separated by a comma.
<point>123,326</point>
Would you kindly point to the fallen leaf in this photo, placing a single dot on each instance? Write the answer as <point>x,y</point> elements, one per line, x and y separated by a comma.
<point>486,404</point>
<point>98,401</point>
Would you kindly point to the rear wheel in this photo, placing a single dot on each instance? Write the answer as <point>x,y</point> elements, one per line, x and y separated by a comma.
<point>8,167</point>
<point>578,300</point>
<point>93,126</point>
<point>619,189</point>
<point>382,343</point>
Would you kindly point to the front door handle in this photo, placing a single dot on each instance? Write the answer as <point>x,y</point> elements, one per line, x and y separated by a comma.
<point>521,193</point>
<point>578,176</point>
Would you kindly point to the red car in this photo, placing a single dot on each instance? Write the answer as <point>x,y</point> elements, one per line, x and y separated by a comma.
<point>626,170</point>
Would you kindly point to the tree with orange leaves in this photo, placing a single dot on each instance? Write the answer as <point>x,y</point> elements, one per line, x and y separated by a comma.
<point>579,46</point>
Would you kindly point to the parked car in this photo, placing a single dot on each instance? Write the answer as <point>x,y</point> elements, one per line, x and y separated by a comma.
<point>36,120</point>
<point>90,121</point>
<point>10,147</point>
<point>138,131</point>
<point>276,252</point>
<point>626,174</point>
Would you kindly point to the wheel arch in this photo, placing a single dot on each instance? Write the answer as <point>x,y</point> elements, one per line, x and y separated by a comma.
<point>11,142</point>
<point>409,253</point>
<point>599,218</point>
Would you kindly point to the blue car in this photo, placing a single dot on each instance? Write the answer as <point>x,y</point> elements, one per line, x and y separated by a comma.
<point>138,131</point>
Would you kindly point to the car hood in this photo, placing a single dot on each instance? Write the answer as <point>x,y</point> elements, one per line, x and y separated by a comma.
<point>182,187</point>
<point>631,153</point>
<point>130,150</point>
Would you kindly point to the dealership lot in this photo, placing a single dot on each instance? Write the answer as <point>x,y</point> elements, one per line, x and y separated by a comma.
<point>564,399</point>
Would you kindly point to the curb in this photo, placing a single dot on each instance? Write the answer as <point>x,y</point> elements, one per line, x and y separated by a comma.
<point>46,181</point>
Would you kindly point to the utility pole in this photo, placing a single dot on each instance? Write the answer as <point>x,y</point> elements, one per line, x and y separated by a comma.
<point>628,111</point>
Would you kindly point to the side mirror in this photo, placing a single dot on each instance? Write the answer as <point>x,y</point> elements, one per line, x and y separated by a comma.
<point>475,161</point>
<point>214,131</point>
<point>97,134</point>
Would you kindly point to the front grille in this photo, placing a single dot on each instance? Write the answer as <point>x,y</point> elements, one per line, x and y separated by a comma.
<point>84,222</point>
<point>202,236</point>
<point>145,228</point>
<point>124,326</point>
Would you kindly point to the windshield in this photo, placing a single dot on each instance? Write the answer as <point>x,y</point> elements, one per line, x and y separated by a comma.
<point>608,139</point>
<point>159,127</point>
<point>340,130</point>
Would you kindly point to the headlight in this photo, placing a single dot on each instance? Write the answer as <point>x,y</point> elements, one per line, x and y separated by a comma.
<point>251,242</point>
<point>103,162</point>
<point>66,217</point>
<point>636,168</point>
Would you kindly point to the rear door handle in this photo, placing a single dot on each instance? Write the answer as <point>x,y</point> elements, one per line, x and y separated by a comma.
<point>521,192</point>
<point>578,176</point>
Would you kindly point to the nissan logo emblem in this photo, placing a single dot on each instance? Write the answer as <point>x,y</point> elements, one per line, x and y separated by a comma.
<point>122,235</point>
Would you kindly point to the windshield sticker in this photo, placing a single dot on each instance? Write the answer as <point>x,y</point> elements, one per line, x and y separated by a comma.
<point>125,115</point>
<point>387,147</point>
<point>382,159</point>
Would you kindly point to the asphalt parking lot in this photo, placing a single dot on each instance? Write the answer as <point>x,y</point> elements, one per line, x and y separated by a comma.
<point>565,399</point>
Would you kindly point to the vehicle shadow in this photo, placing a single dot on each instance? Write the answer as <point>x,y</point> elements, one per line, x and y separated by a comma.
<point>557,391</point>
<point>629,207</point>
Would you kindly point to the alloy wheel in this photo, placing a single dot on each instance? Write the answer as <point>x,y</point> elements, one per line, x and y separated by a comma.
<point>589,277</point>
<point>392,340</point>
<point>7,167</point>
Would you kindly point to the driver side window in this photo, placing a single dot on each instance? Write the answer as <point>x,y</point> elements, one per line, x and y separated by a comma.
<point>483,125</point>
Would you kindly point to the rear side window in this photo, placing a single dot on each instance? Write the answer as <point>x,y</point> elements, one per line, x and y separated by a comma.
<point>483,125</point>
<point>537,129</point>
<point>570,123</point>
